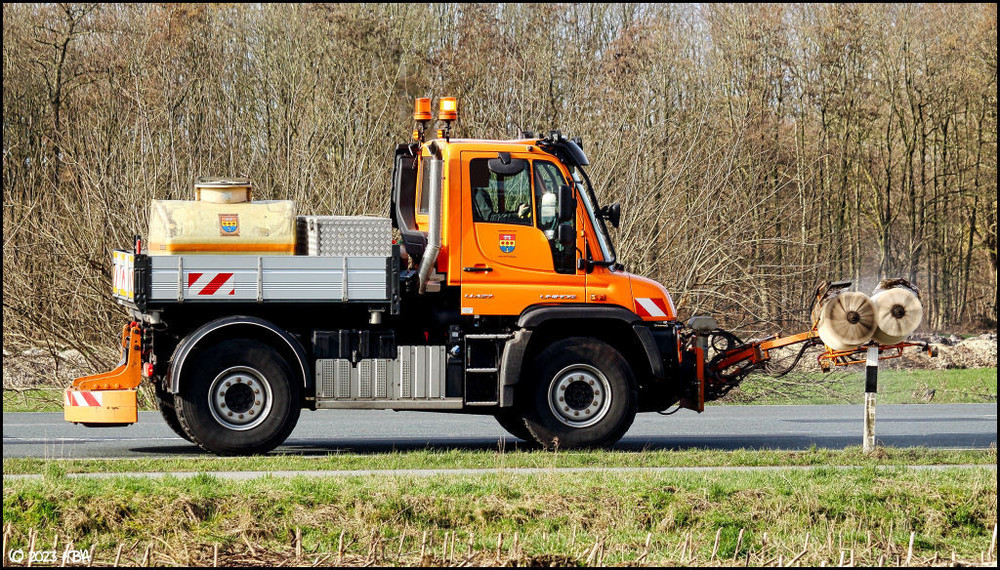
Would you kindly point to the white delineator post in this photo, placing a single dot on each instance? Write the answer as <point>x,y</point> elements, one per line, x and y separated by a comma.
<point>871,387</point>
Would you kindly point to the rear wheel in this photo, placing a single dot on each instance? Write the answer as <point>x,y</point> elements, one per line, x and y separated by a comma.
<point>165,401</point>
<point>239,399</point>
<point>583,395</point>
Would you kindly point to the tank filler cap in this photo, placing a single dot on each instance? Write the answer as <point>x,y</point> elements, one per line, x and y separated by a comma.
<point>221,190</point>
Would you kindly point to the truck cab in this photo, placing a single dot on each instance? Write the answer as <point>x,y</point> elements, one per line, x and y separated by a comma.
<point>520,227</point>
<point>523,244</point>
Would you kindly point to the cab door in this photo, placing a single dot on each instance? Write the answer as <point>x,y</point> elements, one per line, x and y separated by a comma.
<point>511,255</point>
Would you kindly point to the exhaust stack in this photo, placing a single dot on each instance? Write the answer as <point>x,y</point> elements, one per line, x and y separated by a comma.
<point>429,259</point>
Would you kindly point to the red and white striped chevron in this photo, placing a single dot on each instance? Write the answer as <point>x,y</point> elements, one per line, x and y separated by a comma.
<point>211,284</point>
<point>83,398</point>
<point>654,307</point>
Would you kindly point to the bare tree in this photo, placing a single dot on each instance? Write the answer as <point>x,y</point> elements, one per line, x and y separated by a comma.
<point>757,149</point>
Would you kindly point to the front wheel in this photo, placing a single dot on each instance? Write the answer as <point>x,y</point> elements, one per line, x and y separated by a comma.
<point>512,420</point>
<point>583,395</point>
<point>239,399</point>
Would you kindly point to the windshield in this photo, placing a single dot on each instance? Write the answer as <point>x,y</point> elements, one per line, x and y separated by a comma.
<point>607,250</point>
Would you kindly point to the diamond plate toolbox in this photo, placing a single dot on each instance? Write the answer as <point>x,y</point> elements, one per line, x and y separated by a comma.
<point>347,236</point>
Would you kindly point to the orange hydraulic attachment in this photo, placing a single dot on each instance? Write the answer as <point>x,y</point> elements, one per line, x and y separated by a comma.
<point>109,398</point>
<point>857,356</point>
<point>754,354</point>
<point>757,352</point>
<point>732,364</point>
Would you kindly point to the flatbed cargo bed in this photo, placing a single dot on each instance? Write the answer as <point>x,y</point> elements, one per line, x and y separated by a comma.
<point>141,281</point>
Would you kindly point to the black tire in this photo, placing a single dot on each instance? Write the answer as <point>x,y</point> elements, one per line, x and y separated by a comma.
<point>582,394</point>
<point>165,401</point>
<point>512,420</point>
<point>255,398</point>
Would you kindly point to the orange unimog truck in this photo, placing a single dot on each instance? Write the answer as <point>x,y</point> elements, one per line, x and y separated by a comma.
<point>503,297</point>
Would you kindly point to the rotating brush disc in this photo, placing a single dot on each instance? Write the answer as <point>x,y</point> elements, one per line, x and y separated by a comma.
<point>898,312</point>
<point>847,321</point>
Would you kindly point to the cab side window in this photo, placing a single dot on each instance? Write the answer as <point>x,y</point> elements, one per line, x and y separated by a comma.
<point>500,199</point>
<point>548,179</point>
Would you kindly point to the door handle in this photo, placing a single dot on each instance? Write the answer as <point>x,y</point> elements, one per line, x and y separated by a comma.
<point>477,269</point>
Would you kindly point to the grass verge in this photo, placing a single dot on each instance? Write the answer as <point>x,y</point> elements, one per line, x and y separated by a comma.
<point>899,386</point>
<point>816,516</point>
<point>504,459</point>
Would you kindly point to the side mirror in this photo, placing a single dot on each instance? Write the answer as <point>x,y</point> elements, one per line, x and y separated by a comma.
<point>547,211</point>
<point>566,234</point>
<point>504,165</point>
<point>567,204</point>
<point>612,213</point>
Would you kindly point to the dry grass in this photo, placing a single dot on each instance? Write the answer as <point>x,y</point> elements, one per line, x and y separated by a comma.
<point>820,517</point>
<point>454,550</point>
<point>510,458</point>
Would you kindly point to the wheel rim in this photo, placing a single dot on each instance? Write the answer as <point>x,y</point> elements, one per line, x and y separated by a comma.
<point>240,398</point>
<point>579,396</point>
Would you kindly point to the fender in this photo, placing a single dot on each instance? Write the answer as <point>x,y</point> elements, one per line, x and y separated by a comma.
<point>538,314</point>
<point>265,328</point>
<point>534,316</point>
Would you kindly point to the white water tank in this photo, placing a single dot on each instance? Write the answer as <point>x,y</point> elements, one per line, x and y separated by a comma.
<point>222,219</point>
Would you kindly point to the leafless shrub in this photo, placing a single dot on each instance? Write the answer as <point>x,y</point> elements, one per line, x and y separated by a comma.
<point>756,149</point>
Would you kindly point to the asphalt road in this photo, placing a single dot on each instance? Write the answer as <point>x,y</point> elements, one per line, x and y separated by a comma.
<point>46,435</point>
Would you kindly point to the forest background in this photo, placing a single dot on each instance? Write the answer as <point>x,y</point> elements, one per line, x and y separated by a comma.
<point>756,149</point>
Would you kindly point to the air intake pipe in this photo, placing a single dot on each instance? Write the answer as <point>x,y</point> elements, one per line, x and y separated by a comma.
<point>427,263</point>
